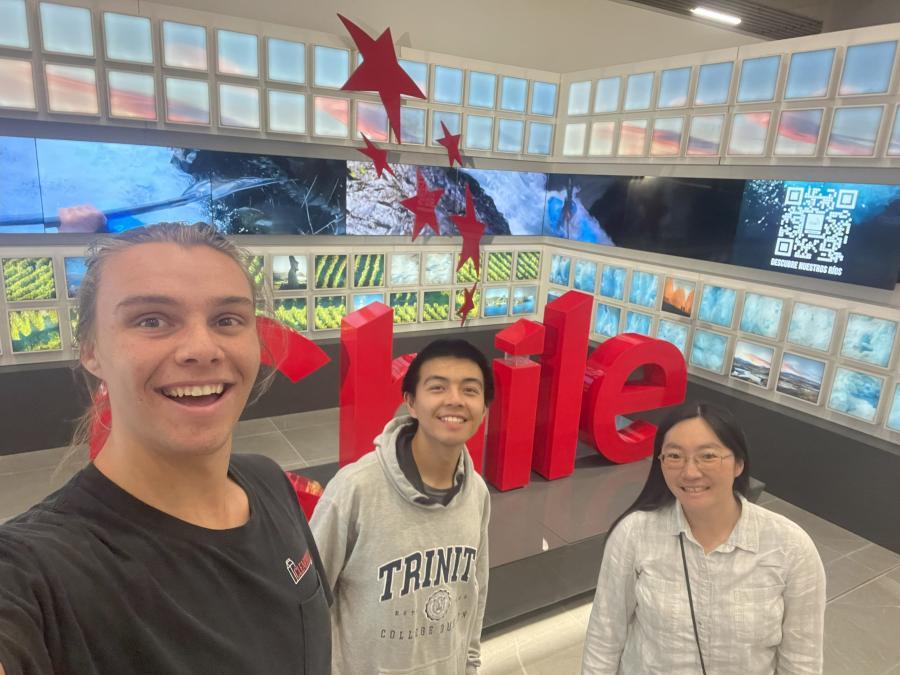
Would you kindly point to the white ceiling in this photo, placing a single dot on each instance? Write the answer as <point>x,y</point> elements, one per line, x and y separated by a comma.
<point>561,36</point>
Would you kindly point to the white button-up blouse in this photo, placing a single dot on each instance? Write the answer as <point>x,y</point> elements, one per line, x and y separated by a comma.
<point>759,599</point>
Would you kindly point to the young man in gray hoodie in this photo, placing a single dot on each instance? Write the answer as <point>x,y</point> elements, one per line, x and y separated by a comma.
<point>403,531</point>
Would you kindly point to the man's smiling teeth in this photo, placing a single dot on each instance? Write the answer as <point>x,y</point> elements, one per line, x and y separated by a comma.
<point>452,418</point>
<point>205,390</point>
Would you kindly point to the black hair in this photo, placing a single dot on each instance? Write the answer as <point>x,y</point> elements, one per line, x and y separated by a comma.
<point>656,494</point>
<point>457,349</point>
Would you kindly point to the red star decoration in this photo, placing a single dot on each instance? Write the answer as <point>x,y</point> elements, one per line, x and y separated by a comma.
<point>471,230</point>
<point>451,142</point>
<point>468,303</point>
<point>422,206</point>
<point>377,155</point>
<point>380,72</point>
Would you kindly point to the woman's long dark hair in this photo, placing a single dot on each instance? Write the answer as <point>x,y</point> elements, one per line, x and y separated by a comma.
<point>656,494</point>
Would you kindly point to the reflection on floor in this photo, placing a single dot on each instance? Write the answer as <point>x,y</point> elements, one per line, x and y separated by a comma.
<point>862,621</point>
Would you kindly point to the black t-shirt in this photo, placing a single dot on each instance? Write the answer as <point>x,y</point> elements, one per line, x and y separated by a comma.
<point>93,581</point>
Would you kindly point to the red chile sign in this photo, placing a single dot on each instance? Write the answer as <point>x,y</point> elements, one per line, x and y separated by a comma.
<point>540,409</point>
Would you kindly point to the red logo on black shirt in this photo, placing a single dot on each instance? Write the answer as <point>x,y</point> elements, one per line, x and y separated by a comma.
<point>297,570</point>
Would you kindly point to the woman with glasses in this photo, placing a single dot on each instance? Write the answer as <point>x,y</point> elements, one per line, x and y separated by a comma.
<point>695,578</point>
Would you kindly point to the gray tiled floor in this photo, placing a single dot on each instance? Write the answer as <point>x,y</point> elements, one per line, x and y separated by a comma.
<point>862,620</point>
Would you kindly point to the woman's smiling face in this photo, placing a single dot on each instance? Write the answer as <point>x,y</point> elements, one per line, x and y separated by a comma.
<point>699,484</point>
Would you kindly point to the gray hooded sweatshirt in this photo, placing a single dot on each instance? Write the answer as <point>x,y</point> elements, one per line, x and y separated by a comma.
<point>409,575</point>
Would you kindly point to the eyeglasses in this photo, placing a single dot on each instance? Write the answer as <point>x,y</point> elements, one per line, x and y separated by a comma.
<point>703,460</point>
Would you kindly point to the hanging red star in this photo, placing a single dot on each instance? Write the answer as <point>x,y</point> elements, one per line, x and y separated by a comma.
<point>468,303</point>
<point>422,205</point>
<point>471,230</point>
<point>380,72</point>
<point>377,155</point>
<point>451,142</point>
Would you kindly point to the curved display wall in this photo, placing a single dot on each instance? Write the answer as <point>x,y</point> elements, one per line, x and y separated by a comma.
<point>830,231</point>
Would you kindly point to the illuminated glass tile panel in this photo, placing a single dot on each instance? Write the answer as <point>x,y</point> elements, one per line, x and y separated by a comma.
<point>869,338</point>
<point>540,137</point>
<point>238,106</point>
<point>543,98</point>
<point>16,84</point>
<point>286,61</point>
<point>513,94</point>
<point>510,135</point>
<point>676,333</point>
<point>67,30</point>
<point>127,38</point>
<point>867,69</point>
<point>748,133</point>
<point>705,136</point>
<point>666,139</point>
<point>238,53</point>
<point>34,330</point>
<point>798,132</point>
<point>132,95</point>
<point>479,132</point>
<point>713,84</point>
<point>453,122</point>
<point>412,125</point>
<point>187,101</point>
<point>607,319</point>
<point>331,67</point>
<point>448,85</point>
<point>602,136</point>
<point>893,415</point>
<point>606,96</point>
<point>419,74</point>
<point>856,394</point>
<point>809,74</point>
<point>673,88</point>
<point>184,46</point>
<point>758,79</point>
<point>638,91</point>
<point>894,144</point>
<point>854,131</point>
<point>573,143</point>
<point>482,90</point>
<point>579,97</point>
<point>13,24</point>
<point>371,120</point>
<point>632,138</point>
<point>287,112</point>
<point>71,89</point>
<point>331,116</point>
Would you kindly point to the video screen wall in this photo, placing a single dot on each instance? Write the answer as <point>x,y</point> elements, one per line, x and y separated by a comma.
<point>507,202</point>
<point>831,231</point>
<point>843,231</point>
<point>55,185</point>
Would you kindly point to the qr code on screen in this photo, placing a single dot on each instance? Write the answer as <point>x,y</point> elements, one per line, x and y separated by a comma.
<point>815,223</point>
